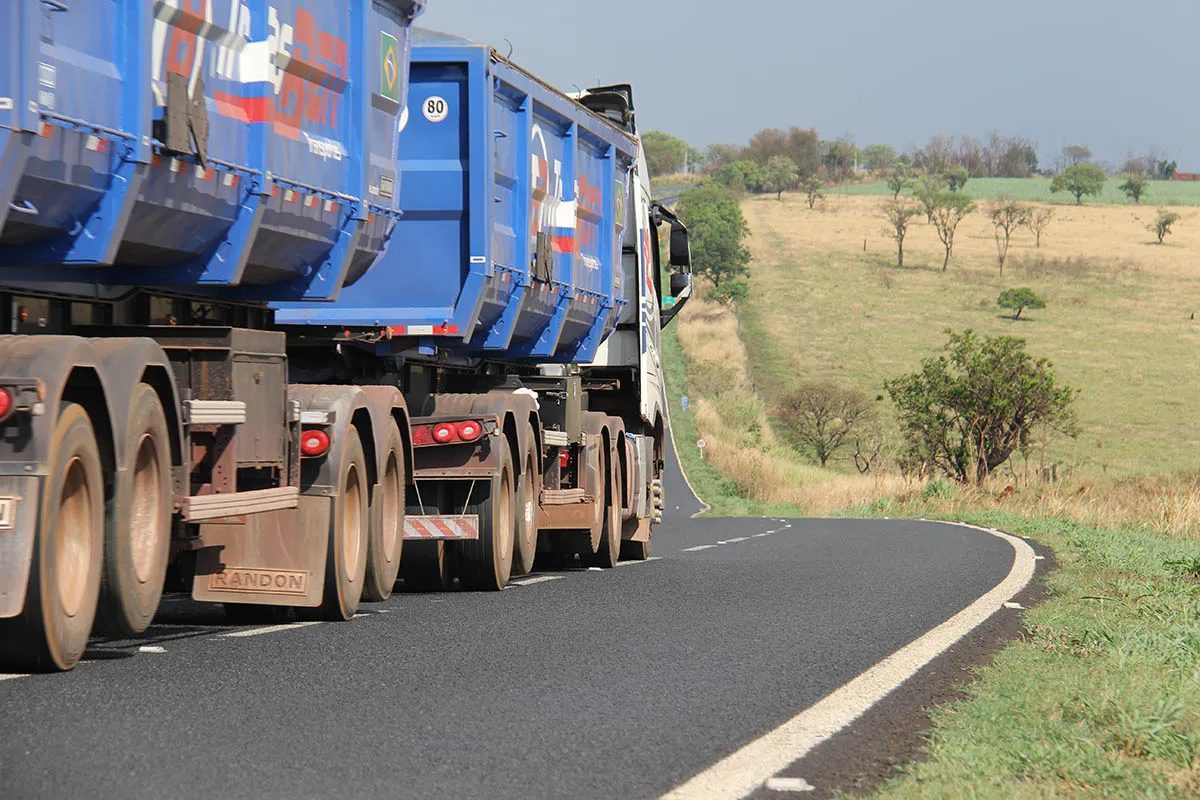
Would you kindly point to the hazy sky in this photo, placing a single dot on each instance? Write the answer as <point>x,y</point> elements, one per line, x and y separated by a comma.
<point>1113,74</point>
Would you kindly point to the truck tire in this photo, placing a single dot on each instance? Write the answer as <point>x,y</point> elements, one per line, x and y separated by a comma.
<point>485,564</point>
<point>529,487</point>
<point>137,536</point>
<point>635,551</point>
<point>608,552</point>
<point>387,521</point>
<point>346,559</point>
<point>64,582</point>
<point>426,567</point>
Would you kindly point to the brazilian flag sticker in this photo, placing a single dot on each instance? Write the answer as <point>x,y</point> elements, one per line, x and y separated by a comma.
<point>389,51</point>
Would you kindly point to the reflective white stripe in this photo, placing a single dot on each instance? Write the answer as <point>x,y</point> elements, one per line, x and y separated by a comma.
<point>447,528</point>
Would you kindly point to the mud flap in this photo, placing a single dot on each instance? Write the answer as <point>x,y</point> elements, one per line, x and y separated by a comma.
<point>19,501</point>
<point>271,559</point>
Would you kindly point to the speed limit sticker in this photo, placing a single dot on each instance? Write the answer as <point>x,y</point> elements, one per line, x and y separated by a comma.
<point>436,109</point>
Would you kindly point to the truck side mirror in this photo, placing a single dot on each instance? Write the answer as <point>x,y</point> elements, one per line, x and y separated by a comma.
<point>681,246</point>
<point>680,282</point>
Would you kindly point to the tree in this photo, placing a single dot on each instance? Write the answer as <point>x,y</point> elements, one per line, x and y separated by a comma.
<point>1006,216</point>
<point>898,213</point>
<point>950,209</point>
<point>818,417</point>
<point>839,157</point>
<point>956,177</point>
<point>1163,222</point>
<point>814,189</point>
<point>803,147</point>
<point>740,176</point>
<point>879,157</point>
<point>967,410</point>
<point>1075,154</point>
<point>1080,180</point>
<point>714,219</point>
<point>780,175</point>
<point>899,179</point>
<point>1135,185</point>
<point>1039,220</point>
<point>926,190</point>
<point>1017,300</point>
<point>665,154</point>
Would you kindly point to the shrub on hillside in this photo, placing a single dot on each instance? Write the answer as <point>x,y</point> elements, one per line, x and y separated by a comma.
<point>968,409</point>
<point>819,418</point>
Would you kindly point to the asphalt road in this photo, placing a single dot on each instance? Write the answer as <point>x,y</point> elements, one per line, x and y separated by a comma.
<point>581,684</point>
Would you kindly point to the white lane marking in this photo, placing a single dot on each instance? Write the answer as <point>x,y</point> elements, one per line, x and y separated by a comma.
<point>643,561</point>
<point>789,785</point>
<point>290,626</point>
<point>535,579</point>
<point>698,548</point>
<point>12,677</point>
<point>737,540</point>
<point>743,771</point>
<point>761,535</point>
<point>151,648</point>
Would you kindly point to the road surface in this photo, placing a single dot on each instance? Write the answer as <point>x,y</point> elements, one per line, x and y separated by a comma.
<point>616,684</point>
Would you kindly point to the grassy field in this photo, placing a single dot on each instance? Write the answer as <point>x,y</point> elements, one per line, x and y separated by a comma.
<point>828,302</point>
<point>1037,190</point>
<point>1100,699</point>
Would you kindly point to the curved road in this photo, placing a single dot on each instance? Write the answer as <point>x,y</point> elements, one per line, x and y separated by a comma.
<point>581,684</point>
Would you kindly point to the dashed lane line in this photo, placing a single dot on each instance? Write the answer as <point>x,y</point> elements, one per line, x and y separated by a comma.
<point>289,626</point>
<point>536,579</point>
<point>636,563</point>
<point>12,677</point>
<point>747,769</point>
<point>700,547</point>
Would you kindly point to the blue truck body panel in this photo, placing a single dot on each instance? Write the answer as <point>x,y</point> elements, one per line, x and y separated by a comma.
<point>513,212</point>
<point>295,189</point>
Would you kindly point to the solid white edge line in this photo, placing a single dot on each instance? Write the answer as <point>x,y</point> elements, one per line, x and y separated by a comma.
<point>289,626</point>
<point>12,677</point>
<point>745,770</point>
<point>679,461</point>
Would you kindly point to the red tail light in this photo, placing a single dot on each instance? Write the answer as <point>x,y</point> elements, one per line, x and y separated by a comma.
<point>314,443</point>
<point>6,404</point>
<point>470,430</point>
<point>445,433</point>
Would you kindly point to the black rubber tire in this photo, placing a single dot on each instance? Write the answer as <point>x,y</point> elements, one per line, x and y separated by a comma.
<point>346,559</point>
<point>608,553</point>
<point>426,567</point>
<point>635,551</point>
<point>529,489</point>
<point>137,534</point>
<point>387,521</point>
<point>52,631</point>
<point>485,564</point>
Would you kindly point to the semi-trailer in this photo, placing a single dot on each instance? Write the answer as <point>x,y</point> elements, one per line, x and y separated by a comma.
<point>288,321</point>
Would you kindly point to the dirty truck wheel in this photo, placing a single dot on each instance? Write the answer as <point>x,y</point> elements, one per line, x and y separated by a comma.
<point>528,488</point>
<point>346,561</point>
<point>387,521</point>
<point>64,582</point>
<point>137,537</point>
<point>608,553</point>
<point>486,563</point>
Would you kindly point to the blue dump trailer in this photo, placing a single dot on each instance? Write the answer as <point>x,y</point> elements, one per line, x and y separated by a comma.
<point>290,325</point>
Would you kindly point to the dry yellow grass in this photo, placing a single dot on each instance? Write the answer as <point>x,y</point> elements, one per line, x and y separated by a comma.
<point>1119,325</point>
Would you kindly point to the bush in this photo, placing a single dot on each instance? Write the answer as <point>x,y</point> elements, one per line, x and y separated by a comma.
<point>1017,300</point>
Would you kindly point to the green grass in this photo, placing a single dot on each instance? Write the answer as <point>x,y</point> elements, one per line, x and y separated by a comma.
<point>1101,699</point>
<point>1160,193</point>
